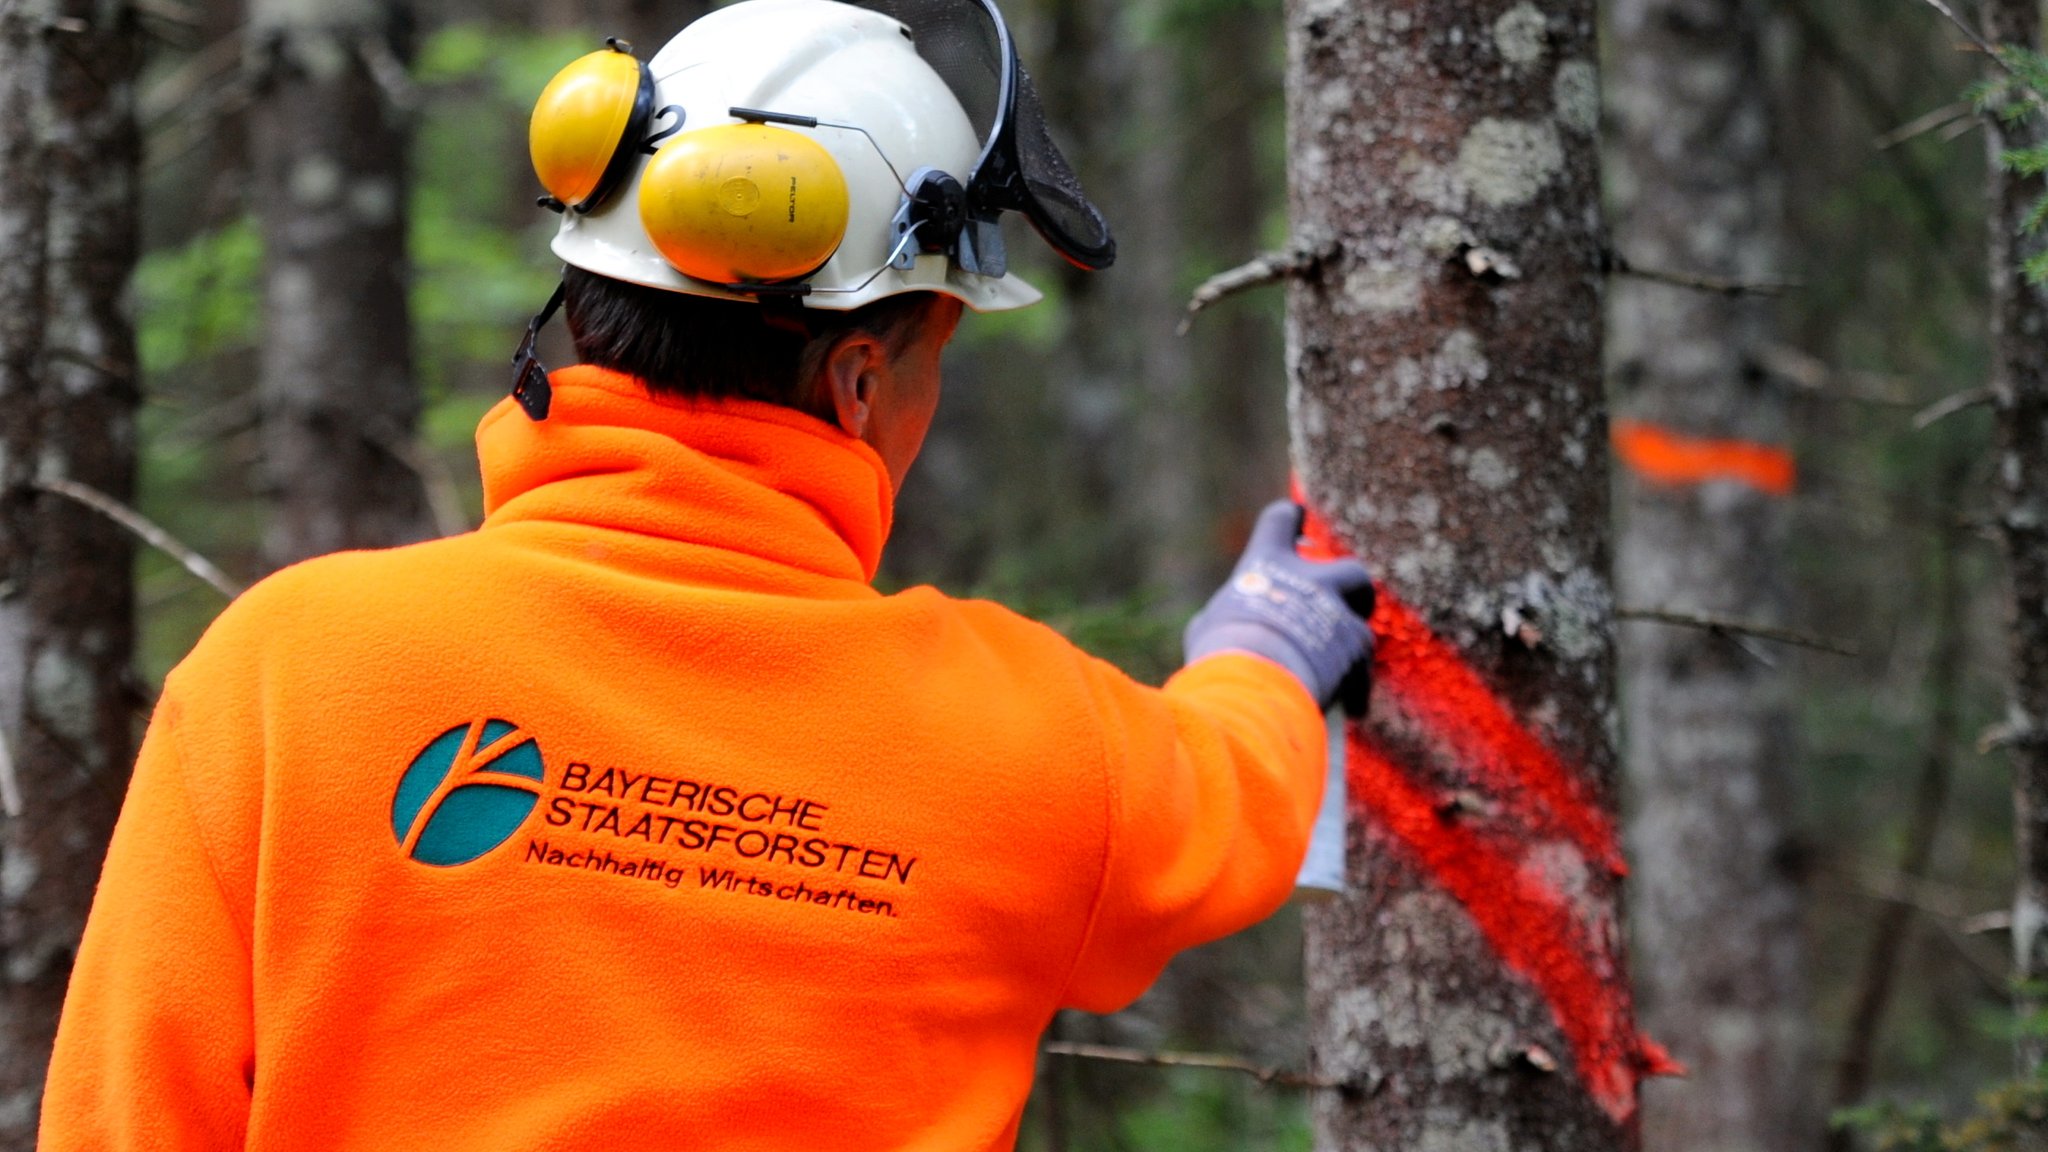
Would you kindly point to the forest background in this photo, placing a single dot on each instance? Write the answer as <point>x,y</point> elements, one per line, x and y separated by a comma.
<point>1096,467</point>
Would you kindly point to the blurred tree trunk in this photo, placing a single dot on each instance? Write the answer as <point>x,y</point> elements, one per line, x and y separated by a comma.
<point>1236,350</point>
<point>1164,411</point>
<point>1709,728</point>
<point>1448,415</point>
<point>68,227</point>
<point>2019,385</point>
<point>329,151</point>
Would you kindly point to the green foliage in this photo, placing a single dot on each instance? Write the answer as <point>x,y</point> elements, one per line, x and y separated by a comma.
<point>198,300</point>
<point>2020,100</point>
<point>2007,1117</point>
<point>1134,634</point>
<point>1210,1112</point>
<point>477,276</point>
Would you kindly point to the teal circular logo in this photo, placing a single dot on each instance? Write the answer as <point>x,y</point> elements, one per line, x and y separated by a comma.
<point>467,792</point>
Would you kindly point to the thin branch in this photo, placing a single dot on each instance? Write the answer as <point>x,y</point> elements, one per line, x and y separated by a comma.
<point>1261,1073</point>
<point>170,12</point>
<point>389,72</point>
<point>1733,628</point>
<point>1620,265</point>
<point>1948,406</point>
<point>1884,949</point>
<point>1996,978</point>
<point>145,530</point>
<point>1985,923</point>
<point>112,369</point>
<point>1920,126</point>
<point>1969,33</point>
<point>10,781</point>
<point>1809,373</point>
<point>1270,268</point>
<point>1873,886</point>
<point>175,93</point>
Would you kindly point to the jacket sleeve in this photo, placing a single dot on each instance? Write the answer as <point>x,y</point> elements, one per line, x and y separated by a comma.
<point>1213,787</point>
<point>156,1046</point>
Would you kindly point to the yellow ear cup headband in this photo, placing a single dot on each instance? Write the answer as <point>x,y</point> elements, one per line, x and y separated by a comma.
<point>590,123</point>
<point>745,204</point>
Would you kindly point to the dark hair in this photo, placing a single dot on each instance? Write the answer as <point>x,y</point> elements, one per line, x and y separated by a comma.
<point>699,347</point>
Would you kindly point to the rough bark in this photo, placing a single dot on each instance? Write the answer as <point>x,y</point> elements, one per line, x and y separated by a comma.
<point>328,149</point>
<point>2019,385</point>
<point>1448,417</point>
<point>69,231</point>
<point>1720,963</point>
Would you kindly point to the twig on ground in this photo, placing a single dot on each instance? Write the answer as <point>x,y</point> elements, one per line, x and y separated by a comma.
<point>1919,126</point>
<point>1735,628</point>
<point>1270,268</point>
<point>1948,406</point>
<point>145,530</point>
<point>1620,265</point>
<point>1237,1064</point>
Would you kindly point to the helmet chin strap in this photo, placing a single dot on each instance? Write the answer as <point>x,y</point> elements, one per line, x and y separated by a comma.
<point>530,385</point>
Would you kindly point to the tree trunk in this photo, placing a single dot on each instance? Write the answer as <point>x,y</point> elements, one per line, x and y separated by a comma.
<point>329,152</point>
<point>1448,415</point>
<point>2019,385</point>
<point>1236,348</point>
<point>1166,424</point>
<point>68,383</point>
<point>1709,726</point>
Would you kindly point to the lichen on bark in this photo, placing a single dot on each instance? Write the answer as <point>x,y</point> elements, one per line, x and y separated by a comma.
<point>1454,433</point>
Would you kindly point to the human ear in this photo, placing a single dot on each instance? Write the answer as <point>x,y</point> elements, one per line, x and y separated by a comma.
<point>852,375</point>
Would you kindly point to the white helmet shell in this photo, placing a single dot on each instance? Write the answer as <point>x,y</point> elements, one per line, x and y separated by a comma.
<point>837,63</point>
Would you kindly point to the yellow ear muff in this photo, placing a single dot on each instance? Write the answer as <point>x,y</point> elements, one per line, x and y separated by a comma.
<point>744,203</point>
<point>587,126</point>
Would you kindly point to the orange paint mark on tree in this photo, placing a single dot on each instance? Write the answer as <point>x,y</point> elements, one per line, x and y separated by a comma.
<point>1673,460</point>
<point>1537,930</point>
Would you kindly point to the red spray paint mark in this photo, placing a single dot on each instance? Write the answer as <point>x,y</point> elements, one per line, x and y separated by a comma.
<point>1425,679</point>
<point>1529,923</point>
<point>1662,456</point>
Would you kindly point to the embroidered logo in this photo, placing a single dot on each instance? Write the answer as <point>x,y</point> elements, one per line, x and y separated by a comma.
<point>467,793</point>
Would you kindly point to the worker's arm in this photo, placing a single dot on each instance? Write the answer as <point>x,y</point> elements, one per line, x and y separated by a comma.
<point>1214,781</point>
<point>156,1049</point>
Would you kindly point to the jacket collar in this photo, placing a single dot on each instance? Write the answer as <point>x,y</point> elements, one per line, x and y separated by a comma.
<point>737,475</point>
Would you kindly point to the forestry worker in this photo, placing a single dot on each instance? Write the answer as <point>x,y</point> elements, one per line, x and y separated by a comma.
<point>638,818</point>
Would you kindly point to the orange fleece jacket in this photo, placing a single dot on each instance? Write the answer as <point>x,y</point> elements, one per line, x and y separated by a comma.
<point>637,819</point>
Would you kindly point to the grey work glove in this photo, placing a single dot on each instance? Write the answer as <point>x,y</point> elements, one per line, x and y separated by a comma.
<point>1306,616</point>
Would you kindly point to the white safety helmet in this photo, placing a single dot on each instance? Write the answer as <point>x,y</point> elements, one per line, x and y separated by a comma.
<point>807,152</point>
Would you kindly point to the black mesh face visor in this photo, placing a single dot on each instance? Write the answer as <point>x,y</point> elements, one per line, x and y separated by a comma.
<point>1020,169</point>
